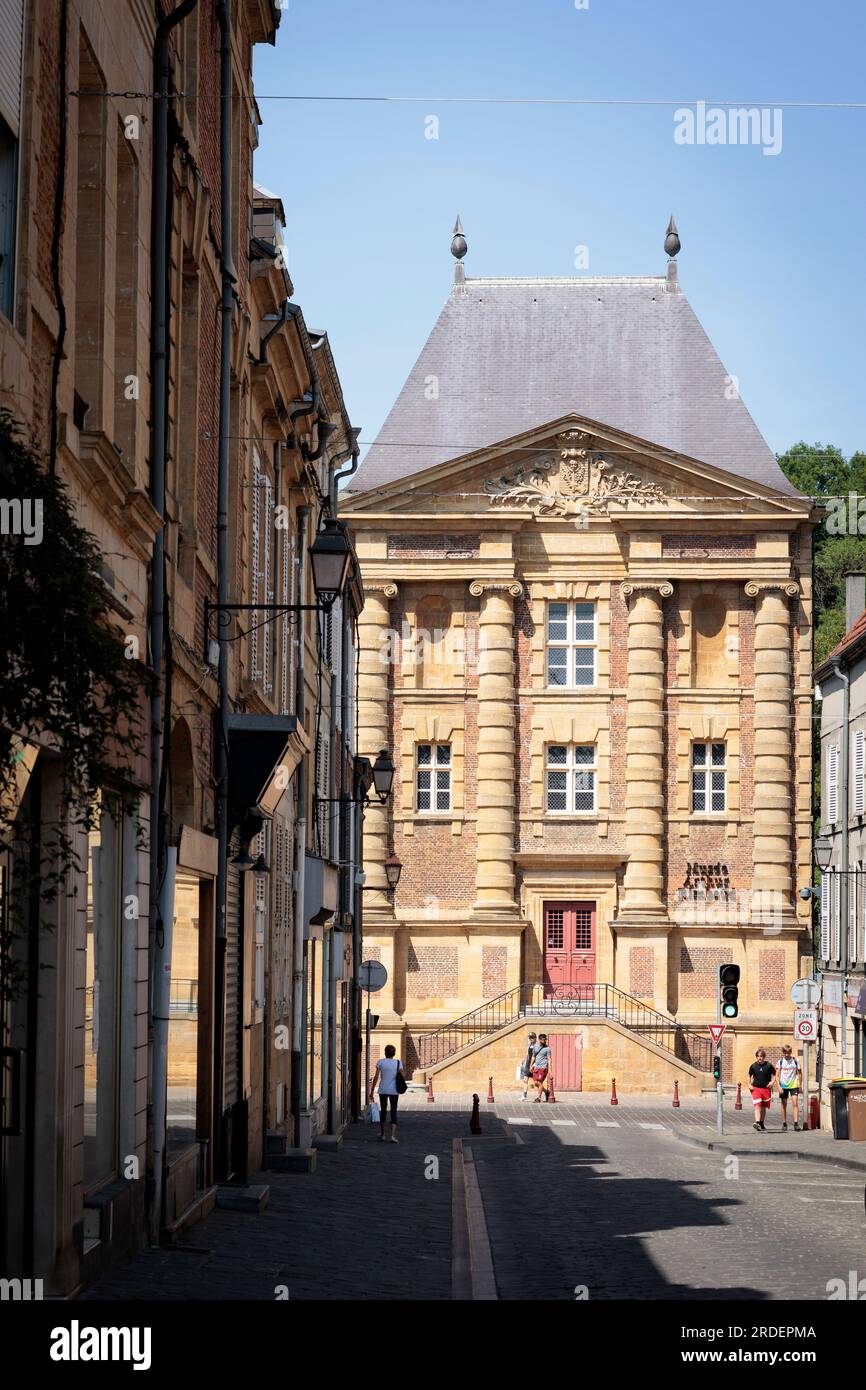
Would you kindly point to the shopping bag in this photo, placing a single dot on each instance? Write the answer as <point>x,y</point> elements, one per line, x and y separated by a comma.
<point>374,1113</point>
<point>518,1072</point>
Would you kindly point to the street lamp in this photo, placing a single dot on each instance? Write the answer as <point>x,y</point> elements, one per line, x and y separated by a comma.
<point>261,868</point>
<point>383,775</point>
<point>329,559</point>
<point>823,851</point>
<point>393,870</point>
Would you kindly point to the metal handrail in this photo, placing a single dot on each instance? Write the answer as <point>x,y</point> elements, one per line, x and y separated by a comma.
<point>579,1000</point>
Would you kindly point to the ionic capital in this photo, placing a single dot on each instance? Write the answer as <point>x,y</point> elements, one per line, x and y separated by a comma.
<point>380,586</point>
<point>511,586</point>
<point>663,587</point>
<point>789,587</point>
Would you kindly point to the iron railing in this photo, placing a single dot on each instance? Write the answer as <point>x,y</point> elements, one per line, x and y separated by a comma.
<point>566,1001</point>
<point>183,999</point>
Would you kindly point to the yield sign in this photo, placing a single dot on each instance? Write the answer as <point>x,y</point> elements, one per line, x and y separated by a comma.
<point>716,1030</point>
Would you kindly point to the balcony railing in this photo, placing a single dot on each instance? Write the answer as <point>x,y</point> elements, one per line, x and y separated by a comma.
<point>567,1001</point>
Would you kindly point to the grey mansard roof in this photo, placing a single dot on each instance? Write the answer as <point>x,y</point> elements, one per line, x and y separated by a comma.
<point>509,355</point>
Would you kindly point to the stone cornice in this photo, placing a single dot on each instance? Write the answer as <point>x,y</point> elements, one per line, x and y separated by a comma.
<point>790,587</point>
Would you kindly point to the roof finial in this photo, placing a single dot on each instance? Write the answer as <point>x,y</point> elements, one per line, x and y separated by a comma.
<point>458,251</point>
<point>672,247</point>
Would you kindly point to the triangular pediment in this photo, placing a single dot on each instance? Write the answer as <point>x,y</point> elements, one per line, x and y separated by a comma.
<point>572,469</point>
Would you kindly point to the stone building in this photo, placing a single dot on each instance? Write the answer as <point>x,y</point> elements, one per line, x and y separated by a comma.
<point>841,851</point>
<point>138,260</point>
<point>588,634</point>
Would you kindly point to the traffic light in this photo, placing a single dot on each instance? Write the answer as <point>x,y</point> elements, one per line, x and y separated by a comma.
<point>717,1066</point>
<point>729,979</point>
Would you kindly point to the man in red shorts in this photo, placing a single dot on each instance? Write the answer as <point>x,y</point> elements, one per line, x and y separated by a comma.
<point>540,1068</point>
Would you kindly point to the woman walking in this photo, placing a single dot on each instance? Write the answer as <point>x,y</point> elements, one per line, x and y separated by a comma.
<point>389,1074</point>
<point>761,1074</point>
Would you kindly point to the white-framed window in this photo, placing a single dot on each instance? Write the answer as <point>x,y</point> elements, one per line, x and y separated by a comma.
<point>571,645</point>
<point>709,778</point>
<point>570,778</point>
<point>433,777</point>
<point>832,784</point>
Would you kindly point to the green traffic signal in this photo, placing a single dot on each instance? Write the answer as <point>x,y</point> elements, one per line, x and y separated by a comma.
<point>717,1066</point>
<point>729,979</point>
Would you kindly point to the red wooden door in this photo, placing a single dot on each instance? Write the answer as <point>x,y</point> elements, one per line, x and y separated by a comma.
<point>569,949</point>
<point>566,1062</point>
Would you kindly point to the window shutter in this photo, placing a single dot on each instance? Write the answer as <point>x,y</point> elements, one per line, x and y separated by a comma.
<point>255,560</point>
<point>858,771</point>
<point>832,784</point>
<point>11,62</point>
<point>835,916</point>
<point>853,903</point>
<point>267,523</point>
<point>825,916</point>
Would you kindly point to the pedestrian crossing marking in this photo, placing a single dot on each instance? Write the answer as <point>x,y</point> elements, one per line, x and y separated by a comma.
<point>644,1125</point>
<point>561,1124</point>
<point>518,1120</point>
<point>607,1124</point>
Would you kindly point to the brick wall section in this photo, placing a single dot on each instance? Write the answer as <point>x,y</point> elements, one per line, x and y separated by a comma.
<point>771,975</point>
<point>431,971</point>
<point>641,964</point>
<point>699,971</point>
<point>420,547</point>
<point>493,967</point>
<point>698,546</point>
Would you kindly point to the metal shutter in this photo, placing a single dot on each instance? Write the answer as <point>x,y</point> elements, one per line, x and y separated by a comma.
<point>234,900</point>
<point>11,62</point>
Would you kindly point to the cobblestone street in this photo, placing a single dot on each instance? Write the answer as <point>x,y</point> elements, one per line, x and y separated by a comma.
<point>640,1214</point>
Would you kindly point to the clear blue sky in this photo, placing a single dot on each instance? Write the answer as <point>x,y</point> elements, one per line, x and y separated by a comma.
<point>774,247</point>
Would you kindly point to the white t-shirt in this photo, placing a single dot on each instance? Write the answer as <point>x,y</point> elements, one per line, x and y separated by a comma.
<point>787,1067</point>
<point>388,1068</point>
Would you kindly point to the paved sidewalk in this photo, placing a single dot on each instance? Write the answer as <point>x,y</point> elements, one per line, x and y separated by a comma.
<point>812,1146</point>
<point>367,1224</point>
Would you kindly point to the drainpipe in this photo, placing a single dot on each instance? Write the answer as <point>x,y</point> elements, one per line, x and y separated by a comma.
<point>337,478</point>
<point>161,1011</point>
<point>300,845</point>
<point>159,341</point>
<point>228,277</point>
<point>844,889</point>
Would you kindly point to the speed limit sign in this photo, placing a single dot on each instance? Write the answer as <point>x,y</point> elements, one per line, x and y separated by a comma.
<point>806,1025</point>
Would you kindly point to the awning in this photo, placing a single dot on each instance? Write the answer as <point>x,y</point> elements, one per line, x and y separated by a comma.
<point>264,750</point>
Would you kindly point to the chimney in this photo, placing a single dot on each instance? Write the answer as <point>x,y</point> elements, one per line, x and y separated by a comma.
<point>855,597</point>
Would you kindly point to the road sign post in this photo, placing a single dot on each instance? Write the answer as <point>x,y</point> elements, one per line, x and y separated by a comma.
<point>374,977</point>
<point>716,1031</point>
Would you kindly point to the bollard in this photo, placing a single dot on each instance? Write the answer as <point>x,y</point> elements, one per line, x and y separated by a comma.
<point>430,1096</point>
<point>676,1100</point>
<point>738,1103</point>
<point>551,1093</point>
<point>490,1100</point>
<point>613,1099</point>
<point>475,1121</point>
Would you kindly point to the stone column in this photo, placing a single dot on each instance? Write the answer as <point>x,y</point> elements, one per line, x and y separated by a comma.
<point>643,884</point>
<point>375,654</point>
<point>497,719</point>
<point>772,888</point>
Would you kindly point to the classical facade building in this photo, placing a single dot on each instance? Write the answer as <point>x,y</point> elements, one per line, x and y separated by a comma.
<point>588,634</point>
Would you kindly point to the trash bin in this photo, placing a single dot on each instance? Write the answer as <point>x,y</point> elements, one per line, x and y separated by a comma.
<point>848,1107</point>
